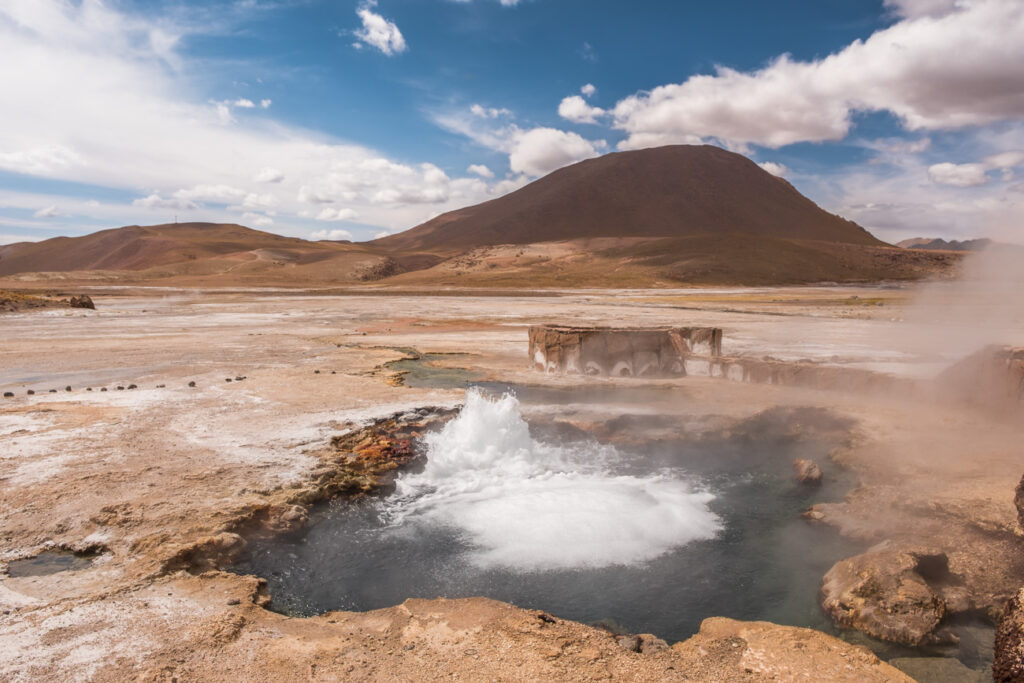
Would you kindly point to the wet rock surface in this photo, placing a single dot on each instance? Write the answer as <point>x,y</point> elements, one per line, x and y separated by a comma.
<point>808,472</point>
<point>891,594</point>
<point>1009,648</point>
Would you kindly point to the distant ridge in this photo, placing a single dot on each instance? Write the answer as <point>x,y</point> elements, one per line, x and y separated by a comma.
<point>943,245</point>
<point>219,253</point>
<point>663,217</point>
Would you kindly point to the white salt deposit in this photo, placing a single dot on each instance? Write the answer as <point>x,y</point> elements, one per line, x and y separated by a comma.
<point>527,505</point>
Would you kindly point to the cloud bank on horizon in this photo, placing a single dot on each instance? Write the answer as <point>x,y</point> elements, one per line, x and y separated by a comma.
<point>347,120</point>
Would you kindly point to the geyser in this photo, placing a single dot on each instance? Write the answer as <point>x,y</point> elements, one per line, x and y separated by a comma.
<point>527,505</point>
<point>655,534</point>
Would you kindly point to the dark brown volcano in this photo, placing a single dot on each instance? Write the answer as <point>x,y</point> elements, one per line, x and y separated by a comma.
<point>676,191</point>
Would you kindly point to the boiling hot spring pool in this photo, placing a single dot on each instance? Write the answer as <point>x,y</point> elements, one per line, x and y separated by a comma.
<point>650,538</point>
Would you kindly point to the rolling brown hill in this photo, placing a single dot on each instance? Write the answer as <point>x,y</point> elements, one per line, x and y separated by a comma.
<point>674,191</point>
<point>189,253</point>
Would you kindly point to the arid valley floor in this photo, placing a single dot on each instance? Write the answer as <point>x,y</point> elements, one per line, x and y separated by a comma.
<point>162,483</point>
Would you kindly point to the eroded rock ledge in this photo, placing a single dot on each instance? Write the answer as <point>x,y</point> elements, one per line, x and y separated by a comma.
<point>621,352</point>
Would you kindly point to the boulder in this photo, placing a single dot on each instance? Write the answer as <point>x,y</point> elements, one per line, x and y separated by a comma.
<point>1009,648</point>
<point>891,594</point>
<point>730,650</point>
<point>82,301</point>
<point>808,472</point>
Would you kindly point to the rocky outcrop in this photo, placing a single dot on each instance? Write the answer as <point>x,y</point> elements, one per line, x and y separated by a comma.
<point>808,472</point>
<point>81,301</point>
<point>898,595</point>
<point>1009,649</point>
<point>621,352</point>
<point>756,650</point>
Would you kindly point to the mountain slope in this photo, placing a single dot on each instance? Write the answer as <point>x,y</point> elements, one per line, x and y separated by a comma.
<point>674,191</point>
<point>191,252</point>
<point>941,244</point>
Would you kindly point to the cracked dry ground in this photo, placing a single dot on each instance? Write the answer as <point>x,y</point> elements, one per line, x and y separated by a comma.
<point>161,482</point>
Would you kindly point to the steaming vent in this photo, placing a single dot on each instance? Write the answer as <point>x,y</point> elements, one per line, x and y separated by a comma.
<point>526,505</point>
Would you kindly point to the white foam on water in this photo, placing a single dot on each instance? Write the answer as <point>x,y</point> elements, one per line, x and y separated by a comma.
<point>527,505</point>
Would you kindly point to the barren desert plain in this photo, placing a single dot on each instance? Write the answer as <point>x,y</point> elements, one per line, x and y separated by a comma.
<point>143,492</point>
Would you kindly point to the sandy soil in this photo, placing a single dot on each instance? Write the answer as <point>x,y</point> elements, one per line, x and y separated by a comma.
<point>146,476</point>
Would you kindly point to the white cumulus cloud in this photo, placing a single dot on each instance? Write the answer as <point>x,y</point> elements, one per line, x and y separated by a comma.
<point>480,170</point>
<point>959,175</point>
<point>542,150</point>
<point>257,219</point>
<point>155,201</point>
<point>335,234</point>
<point>574,108</point>
<point>268,174</point>
<point>329,214</point>
<point>774,168</point>
<point>588,90</point>
<point>378,32</point>
<point>488,112</point>
<point>47,212</point>
<point>933,70</point>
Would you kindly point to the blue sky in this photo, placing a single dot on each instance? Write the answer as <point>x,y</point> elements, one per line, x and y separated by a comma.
<point>341,119</point>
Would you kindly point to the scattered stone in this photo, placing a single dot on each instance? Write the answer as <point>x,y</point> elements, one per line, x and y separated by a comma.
<point>160,386</point>
<point>650,644</point>
<point>234,601</point>
<point>88,388</point>
<point>808,472</point>
<point>31,392</point>
<point>133,386</point>
<point>8,394</point>
<point>120,388</point>
<point>629,643</point>
<point>1009,648</point>
<point>192,384</point>
<point>53,391</point>
<point>885,593</point>
<point>67,388</point>
<point>227,379</point>
<point>239,379</point>
<point>103,389</point>
<point>82,301</point>
<point>316,372</point>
